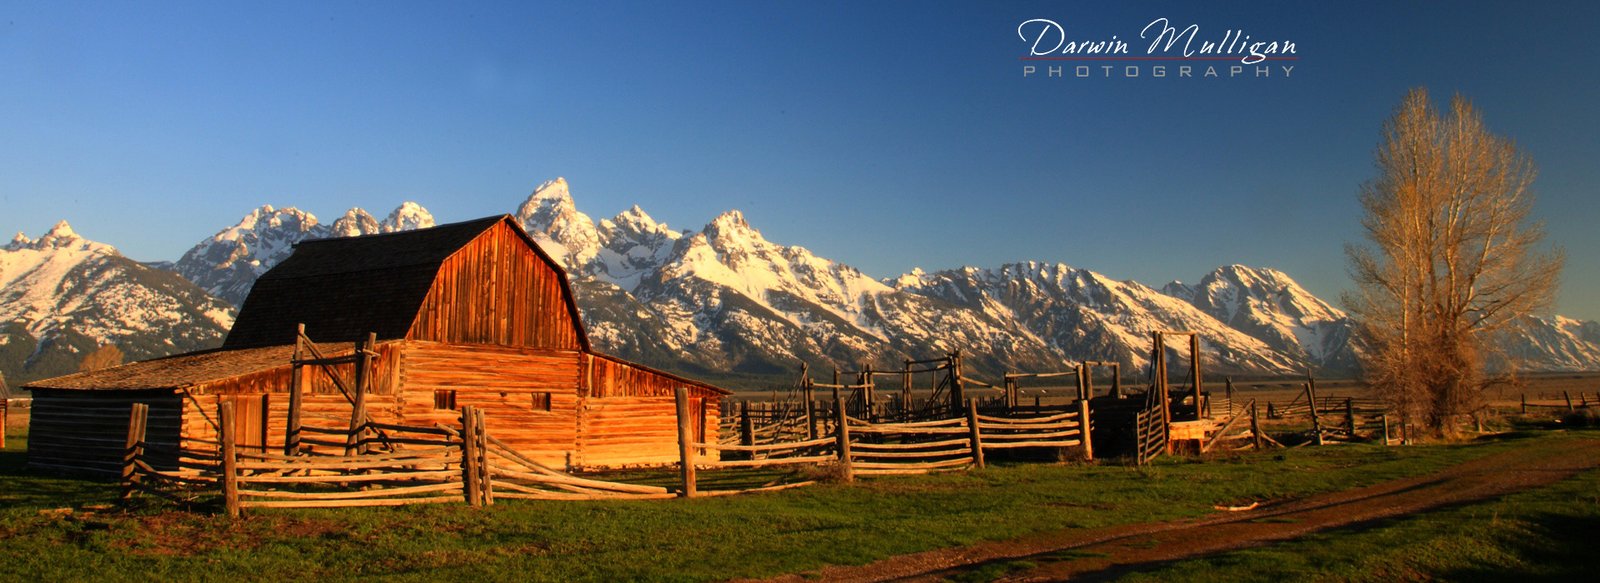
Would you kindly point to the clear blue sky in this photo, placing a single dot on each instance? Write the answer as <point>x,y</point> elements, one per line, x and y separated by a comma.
<point>887,136</point>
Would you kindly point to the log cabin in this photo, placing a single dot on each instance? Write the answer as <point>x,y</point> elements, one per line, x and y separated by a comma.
<point>471,313</point>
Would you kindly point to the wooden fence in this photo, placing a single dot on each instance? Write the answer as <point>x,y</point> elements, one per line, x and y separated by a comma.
<point>1150,429</point>
<point>860,447</point>
<point>382,465</point>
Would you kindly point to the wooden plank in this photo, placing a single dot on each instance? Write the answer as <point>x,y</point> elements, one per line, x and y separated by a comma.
<point>357,494</point>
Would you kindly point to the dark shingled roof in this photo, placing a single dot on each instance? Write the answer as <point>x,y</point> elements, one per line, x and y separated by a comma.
<point>343,288</point>
<point>184,370</point>
<point>173,372</point>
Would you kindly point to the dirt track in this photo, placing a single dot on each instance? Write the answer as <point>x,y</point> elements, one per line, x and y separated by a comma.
<point>1105,553</point>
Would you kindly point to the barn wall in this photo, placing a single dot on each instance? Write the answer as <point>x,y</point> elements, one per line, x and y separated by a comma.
<point>86,431</point>
<point>268,391</point>
<point>631,417</point>
<point>497,290</point>
<point>502,381</point>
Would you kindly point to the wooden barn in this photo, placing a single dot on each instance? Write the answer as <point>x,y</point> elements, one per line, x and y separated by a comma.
<point>471,313</point>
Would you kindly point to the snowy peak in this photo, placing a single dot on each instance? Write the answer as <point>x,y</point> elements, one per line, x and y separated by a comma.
<point>1270,306</point>
<point>634,244</point>
<point>1231,289</point>
<point>553,219</point>
<point>18,242</point>
<point>227,264</point>
<point>354,223</point>
<point>62,295</point>
<point>60,236</point>
<point>1179,290</point>
<point>409,216</point>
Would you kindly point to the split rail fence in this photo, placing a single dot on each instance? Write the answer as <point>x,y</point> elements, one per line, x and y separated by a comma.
<point>420,465</point>
<point>860,447</point>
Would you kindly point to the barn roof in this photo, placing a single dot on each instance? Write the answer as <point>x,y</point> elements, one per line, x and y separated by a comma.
<point>344,288</point>
<point>173,372</point>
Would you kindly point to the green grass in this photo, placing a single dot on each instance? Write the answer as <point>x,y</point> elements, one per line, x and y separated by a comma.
<point>691,540</point>
<point>1541,534</point>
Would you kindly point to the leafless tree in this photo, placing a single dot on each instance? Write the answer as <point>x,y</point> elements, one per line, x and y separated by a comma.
<point>107,356</point>
<point>1452,259</point>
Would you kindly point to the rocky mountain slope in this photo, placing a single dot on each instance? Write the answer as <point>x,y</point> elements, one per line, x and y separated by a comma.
<point>62,296</point>
<point>723,299</point>
<point>228,263</point>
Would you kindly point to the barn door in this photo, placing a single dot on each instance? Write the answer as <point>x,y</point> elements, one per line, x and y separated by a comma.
<point>250,421</point>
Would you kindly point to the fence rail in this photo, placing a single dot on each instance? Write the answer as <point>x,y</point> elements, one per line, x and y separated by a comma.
<point>862,447</point>
<point>416,465</point>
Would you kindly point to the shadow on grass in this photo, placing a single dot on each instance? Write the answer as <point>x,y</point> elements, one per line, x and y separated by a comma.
<point>22,487</point>
<point>1562,547</point>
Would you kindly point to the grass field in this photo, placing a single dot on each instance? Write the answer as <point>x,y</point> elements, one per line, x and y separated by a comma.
<point>700,539</point>
<point>1545,534</point>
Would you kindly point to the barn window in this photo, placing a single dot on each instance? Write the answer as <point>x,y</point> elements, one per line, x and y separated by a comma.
<point>444,399</point>
<point>541,401</point>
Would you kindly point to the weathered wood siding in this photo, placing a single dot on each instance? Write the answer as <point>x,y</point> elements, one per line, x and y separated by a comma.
<point>503,381</point>
<point>324,405</point>
<point>497,290</point>
<point>86,432</point>
<point>630,416</point>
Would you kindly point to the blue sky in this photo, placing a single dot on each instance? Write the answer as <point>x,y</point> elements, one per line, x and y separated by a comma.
<point>884,135</point>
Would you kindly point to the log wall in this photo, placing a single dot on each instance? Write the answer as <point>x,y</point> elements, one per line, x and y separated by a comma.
<point>503,382</point>
<point>603,412</point>
<point>630,417</point>
<point>85,432</point>
<point>498,290</point>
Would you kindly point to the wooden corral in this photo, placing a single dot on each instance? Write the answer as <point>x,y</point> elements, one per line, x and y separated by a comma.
<point>468,314</point>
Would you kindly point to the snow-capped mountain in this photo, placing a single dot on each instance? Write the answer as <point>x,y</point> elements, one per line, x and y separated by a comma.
<point>1271,307</point>
<point>1084,315</point>
<point>62,295</point>
<point>228,263</point>
<point>1556,343</point>
<point>725,299</point>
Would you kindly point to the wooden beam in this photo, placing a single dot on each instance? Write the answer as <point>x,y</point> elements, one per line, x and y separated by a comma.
<point>230,458</point>
<point>842,437</point>
<point>685,442</point>
<point>974,435</point>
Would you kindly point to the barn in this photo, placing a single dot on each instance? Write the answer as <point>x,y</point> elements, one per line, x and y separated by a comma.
<point>471,313</point>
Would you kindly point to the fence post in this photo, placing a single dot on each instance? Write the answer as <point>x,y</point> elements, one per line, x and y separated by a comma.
<point>1084,429</point>
<point>1524,403</point>
<point>974,435</point>
<point>485,476</point>
<point>230,460</point>
<point>1316,423</point>
<point>842,436</point>
<point>291,430</point>
<point>1255,425</point>
<point>1568,396</point>
<point>1350,415</point>
<point>811,408</point>
<point>1386,430</point>
<point>358,409</point>
<point>138,415</point>
<point>747,427</point>
<point>958,392</point>
<point>469,455</point>
<point>686,448</point>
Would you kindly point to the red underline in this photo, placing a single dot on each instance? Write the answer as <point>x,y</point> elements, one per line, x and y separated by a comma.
<point>1155,58</point>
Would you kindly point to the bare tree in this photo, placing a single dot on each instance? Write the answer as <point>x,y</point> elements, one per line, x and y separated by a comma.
<point>107,356</point>
<point>1452,259</point>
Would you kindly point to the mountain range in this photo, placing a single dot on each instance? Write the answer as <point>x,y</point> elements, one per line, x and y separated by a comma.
<point>723,300</point>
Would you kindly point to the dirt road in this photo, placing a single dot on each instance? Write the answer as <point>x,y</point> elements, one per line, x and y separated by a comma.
<point>1104,553</point>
